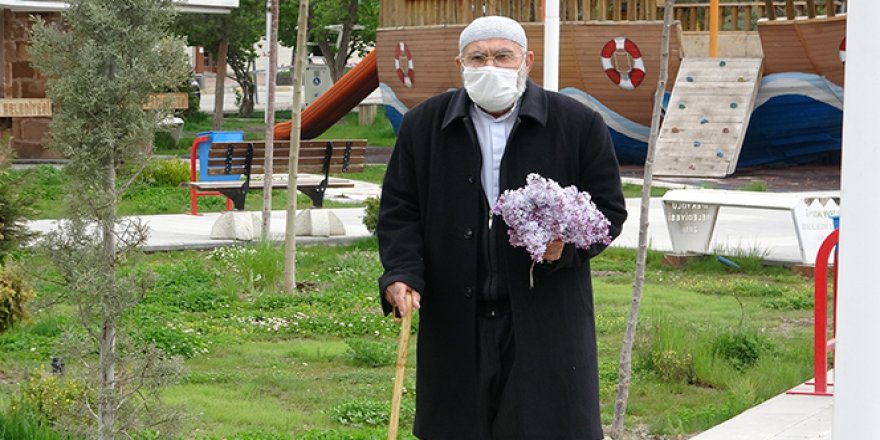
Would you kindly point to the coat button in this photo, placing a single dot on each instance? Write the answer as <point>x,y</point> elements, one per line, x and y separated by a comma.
<point>468,292</point>
<point>468,233</point>
<point>471,179</point>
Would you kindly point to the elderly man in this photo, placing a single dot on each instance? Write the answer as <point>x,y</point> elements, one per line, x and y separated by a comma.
<point>497,358</point>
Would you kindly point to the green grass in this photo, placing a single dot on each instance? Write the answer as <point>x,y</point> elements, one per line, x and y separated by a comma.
<point>45,185</point>
<point>318,363</point>
<point>635,191</point>
<point>378,134</point>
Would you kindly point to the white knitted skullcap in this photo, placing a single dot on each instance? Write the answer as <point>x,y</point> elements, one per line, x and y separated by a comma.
<point>490,28</point>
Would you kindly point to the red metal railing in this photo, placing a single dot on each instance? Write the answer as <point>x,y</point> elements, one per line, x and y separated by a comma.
<point>194,176</point>
<point>821,344</point>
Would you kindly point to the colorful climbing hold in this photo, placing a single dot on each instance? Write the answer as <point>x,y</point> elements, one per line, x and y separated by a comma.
<point>697,144</point>
<point>704,121</point>
<point>689,79</point>
<point>726,130</point>
<point>682,106</point>
<point>675,129</point>
<point>741,79</point>
<point>733,105</point>
<point>692,167</point>
<point>722,63</point>
<point>720,154</point>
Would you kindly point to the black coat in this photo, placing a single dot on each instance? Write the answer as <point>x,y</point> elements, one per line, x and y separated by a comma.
<point>430,216</point>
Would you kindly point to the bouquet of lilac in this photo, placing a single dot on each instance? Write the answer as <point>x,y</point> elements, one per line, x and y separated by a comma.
<point>543,211</point>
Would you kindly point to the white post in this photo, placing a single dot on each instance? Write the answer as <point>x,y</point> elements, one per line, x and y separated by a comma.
<point>551,45</point>
<point>266,53</point>
<point>857,390</point>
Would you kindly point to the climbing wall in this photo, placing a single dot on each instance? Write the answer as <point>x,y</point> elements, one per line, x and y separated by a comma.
<point>707,116</point>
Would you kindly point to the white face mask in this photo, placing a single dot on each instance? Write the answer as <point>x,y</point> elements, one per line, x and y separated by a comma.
<point>494,88</point>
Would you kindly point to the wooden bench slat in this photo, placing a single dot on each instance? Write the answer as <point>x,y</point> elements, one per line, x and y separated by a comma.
<point>283,161</point>
<point>285,151</point>
<point>258,170</point>
<point>246,158</point>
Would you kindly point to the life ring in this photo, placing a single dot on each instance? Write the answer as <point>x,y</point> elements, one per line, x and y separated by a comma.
<point>406,76</point>
<point>843,50</point>
<point>627,80</point>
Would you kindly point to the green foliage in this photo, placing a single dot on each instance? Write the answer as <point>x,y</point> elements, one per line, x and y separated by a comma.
<point>757,185</point>
<point>259,266</point>
<point>173,338</point>
<point>325,13</point>
<point>631,190</point>
<point>21,424</point>
<point>793,301</point>
<point>15,292</point>
<point>189,286</point>
<point>361,412</point>
<point>741,348</point>
<point>371,217</point>
<point>365,353</point>
<point>167,172</point>
<point>50,396</point>
<point>15,207</point>
<point>242,28</point>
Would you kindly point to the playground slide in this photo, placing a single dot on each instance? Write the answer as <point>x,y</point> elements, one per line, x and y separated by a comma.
<point>338,100</point>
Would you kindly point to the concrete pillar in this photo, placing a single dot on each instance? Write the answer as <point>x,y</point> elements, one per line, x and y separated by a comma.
<point>857,390</point>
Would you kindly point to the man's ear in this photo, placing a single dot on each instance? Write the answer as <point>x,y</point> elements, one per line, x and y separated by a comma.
<point>530,60</point>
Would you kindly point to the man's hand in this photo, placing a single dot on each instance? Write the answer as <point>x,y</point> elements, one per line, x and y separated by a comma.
<point>554,250</point>
<point>395,294</point>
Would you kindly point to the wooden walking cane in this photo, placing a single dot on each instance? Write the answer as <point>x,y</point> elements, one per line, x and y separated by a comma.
<point>402,351</point>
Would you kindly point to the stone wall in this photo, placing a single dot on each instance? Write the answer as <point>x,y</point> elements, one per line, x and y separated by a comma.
<point>20,80</point>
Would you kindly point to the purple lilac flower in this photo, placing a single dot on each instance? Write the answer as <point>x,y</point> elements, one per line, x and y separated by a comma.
<point>542,211</point>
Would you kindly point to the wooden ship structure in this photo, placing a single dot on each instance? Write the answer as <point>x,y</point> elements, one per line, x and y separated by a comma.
<point>783,104</point>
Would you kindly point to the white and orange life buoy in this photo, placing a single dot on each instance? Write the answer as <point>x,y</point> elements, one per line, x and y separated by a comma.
<point>625,79</point>
<point>843,50</point>
<point>404,72</point>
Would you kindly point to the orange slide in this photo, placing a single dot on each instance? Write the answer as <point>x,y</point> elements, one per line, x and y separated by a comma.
<point>338,100</point>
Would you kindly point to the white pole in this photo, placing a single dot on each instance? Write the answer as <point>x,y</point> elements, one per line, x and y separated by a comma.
<point>551,45</point>
<point>266,52</point>
<point>857,390</point>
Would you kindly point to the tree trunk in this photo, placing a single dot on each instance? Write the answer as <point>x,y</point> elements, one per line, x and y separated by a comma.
<point>298,71</point>
<point>219,87</point>
<point>107,394</point>
<point>270,119</point>
<point>625,371</point>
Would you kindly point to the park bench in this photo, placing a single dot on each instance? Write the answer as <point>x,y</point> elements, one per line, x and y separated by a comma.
<point>691,215</point>
<point>232,168</point>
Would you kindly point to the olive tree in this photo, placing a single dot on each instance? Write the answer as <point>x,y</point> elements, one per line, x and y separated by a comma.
<point>103,61</point>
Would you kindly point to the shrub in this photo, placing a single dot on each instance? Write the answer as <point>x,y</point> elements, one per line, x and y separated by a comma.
<point>371,217</point>
<point>674,366</point>
<point>14,209</point>
<point>15,292</point>
<point>741,348</point>
<point>364,353</point>
<point>50,396</point>
<point>166,172</point>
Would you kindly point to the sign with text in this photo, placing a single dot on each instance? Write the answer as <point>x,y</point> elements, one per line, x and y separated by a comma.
<point>173,100</point>
<point>25,108</point>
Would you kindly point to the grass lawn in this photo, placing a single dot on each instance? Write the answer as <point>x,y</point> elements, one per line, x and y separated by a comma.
<point>318,364</point>
<point>161,190</point>
<point>379,134</point>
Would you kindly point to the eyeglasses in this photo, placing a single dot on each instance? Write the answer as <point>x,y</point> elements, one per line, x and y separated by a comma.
<point>502,58</point>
